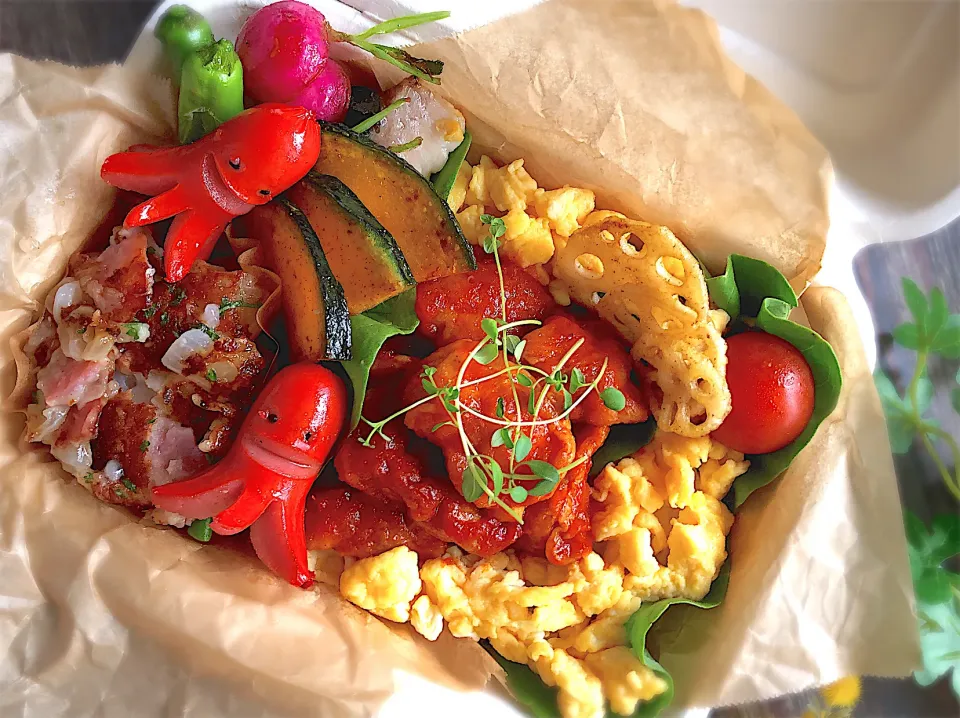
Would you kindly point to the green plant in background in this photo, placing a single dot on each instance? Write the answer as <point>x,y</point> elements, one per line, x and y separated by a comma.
<point>933,331</point>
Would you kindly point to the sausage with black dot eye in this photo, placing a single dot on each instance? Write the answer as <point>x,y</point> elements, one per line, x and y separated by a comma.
<point>263,481</point>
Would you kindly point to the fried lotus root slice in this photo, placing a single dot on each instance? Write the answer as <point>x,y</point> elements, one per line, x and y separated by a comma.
<point>641,279</point>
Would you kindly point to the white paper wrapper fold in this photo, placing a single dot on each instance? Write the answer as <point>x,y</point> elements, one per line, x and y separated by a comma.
<point>100,615</point>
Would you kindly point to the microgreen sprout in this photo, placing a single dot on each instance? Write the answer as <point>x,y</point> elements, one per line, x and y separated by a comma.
<point>484,476</point>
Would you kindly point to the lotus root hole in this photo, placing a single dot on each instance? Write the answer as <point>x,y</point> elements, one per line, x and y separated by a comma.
<point>607,236</point>
<point>671,271</point>
<point>589,266</point>
<point>631,245</point>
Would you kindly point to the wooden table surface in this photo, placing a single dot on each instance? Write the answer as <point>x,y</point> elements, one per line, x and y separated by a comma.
<point>87,32</point>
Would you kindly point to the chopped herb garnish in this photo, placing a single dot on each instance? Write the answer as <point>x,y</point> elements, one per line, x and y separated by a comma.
<point>411,145</point>
<point>177,297</point>
<point>82,330</point>
<point>227,304</point>
<point>150,311</point>
<point>208,331</point>
<point>129,484</point>
<point>144,445</point>
<point>88,477</point>
<point>211,374</point>
<point>138,331</point>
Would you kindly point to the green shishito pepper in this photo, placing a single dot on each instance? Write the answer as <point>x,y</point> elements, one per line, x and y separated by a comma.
<point>182,31</point>
<point>211,90</point>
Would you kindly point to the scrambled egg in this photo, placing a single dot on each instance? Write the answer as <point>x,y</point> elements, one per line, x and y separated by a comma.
<point>384,584</point>
<point>536,220</point>
<point>661,532</point>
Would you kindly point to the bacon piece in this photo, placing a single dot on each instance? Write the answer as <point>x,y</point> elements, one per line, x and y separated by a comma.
<point>120,278</point>
<point>67,382</point>
<point>81,423</point>
<point>355,524</point>
<point>175,308</point>
<point>152,449</point>
<point>547,345</point>
<point>388,471</point>
<point>560,528</point>
<point>451,308</point>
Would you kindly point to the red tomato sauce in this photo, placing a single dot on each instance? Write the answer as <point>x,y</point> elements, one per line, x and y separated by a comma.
<point>406,489</point>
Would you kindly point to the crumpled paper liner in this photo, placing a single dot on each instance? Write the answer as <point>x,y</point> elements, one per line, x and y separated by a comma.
<point>100,615</point>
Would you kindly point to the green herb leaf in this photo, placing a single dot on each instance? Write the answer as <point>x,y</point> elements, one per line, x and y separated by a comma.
<point>498,438</point>
<point>938,604</point>
<point>924,394</point>
<point>577,380</point>
<point>473,482</point>
<point>489,327</point>
<point>947,341</point>
<point>542,488</point>
<point>501,410</point>
<point>900,425</point>
<point>623,440</point>
<point>510,343</point>
<point>211,375</point>
<point>177,295</point>
<point>444,179</point>
<point>490,245</point>
<point>907,335</point>
<point>916,302</point>
<point>613,398</point>
<point>144,445</point>
<point>518,494</point>
<point>487,354</point>
<point>369,332</point>
<point>567,398</point>
<point>200,530</point>
<point>518,349</point>
<point>522,447</point>
<point>496,476</point>
<point>524,379</point>
<point>823,363</point>
<point>544,470</point>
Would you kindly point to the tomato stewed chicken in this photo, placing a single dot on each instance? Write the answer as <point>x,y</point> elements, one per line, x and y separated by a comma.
<point>407,479</point>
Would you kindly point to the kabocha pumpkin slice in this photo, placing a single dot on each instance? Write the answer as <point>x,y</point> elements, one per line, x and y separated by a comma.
<point>363,255</point>
<point>314,303</point>
<point>401,199</point>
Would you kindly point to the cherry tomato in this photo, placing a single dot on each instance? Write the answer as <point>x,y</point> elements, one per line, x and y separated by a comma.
<point>772,390</point>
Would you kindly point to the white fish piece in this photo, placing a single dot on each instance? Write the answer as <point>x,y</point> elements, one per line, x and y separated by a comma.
<point>439,124</point>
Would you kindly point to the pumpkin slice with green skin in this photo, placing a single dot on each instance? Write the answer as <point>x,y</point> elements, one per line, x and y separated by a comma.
<point>364,257</point>
<point>401,199</point>
<point>314,304</point>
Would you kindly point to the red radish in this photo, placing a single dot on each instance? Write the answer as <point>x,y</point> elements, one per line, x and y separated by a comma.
<point>329,93</point>
<point>284,50</point>
<point>283,47</point>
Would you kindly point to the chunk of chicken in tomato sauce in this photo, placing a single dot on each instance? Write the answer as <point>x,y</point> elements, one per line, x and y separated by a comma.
<point>551,441</point>
<point>547,345</point>
<point>387,470</point>
<point>355,524</point>
<point>451,308</point>
<point>559,528</point>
